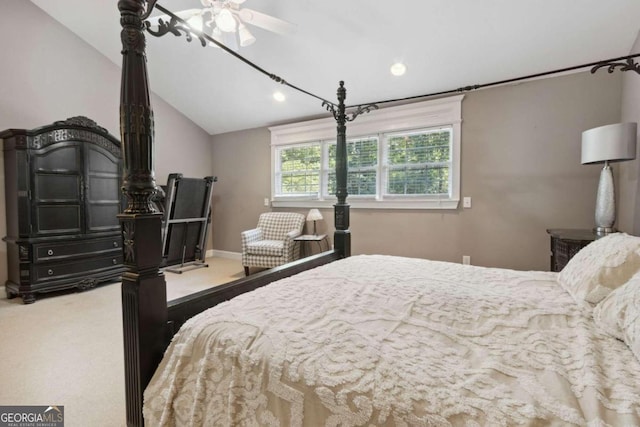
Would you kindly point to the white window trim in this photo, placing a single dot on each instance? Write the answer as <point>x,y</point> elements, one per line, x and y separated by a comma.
<point>433,113</point>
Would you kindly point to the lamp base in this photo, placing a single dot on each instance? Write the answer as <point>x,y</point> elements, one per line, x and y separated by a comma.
<point>601,231</point>
<point>605,200</point>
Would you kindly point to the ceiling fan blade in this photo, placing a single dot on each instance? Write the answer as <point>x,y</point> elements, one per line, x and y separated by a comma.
<point>267,22</point>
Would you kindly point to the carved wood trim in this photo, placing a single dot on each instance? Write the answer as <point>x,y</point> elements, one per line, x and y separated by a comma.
<point>144,303</point>
<point>342,236</point>
<point>81,121</point>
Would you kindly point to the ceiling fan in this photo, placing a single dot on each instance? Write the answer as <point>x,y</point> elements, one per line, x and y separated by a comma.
<point>224,21</point>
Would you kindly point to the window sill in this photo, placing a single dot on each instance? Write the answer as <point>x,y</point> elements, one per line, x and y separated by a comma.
<point>449,204</point>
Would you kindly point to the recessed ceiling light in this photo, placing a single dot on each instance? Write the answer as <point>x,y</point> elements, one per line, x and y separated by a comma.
<point>279,96</point>
<point>398,69</point>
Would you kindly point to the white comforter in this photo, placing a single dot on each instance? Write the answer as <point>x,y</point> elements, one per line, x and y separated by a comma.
<point>380,340</point>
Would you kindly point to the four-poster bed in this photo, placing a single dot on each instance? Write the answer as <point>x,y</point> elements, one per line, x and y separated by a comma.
<point>150,322</point>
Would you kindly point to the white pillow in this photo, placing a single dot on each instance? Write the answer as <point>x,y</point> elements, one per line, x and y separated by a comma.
<point>600,267</point>
<point>619,314</point>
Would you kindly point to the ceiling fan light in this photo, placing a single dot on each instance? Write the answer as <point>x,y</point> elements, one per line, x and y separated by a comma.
<point>225,21</point>
<point>246,38</point>
<point>217,36</point>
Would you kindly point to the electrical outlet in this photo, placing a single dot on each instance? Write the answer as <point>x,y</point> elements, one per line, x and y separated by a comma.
<point>466,259</point>
<point>266,201</point>
<point>466,202</point>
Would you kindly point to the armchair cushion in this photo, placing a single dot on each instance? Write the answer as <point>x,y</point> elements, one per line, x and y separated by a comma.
<point>266,247</point>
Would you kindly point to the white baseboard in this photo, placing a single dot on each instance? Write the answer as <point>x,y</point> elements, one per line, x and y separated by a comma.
<point>224,254</point>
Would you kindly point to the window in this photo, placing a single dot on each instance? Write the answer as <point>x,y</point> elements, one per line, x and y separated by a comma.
<point>418,163</point>
<point>362,167</point>
<point>405,157</point>
<point>298,170</point>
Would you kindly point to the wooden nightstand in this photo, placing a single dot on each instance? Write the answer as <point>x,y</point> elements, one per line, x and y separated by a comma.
<point>566,242</point>
<point>318,238</point>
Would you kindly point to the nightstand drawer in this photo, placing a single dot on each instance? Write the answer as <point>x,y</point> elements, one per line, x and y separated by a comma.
<point>61,250</point>
<point>70,269</point>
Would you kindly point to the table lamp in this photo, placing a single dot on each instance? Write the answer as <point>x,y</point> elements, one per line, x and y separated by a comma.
<point>314,215</point>
<point>605,144</point>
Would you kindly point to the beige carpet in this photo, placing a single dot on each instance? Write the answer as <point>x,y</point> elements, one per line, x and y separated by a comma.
<point>67,349</point>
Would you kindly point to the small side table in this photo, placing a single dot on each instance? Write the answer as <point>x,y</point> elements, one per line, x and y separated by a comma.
<point>318,238</point>
<point>566,242</point>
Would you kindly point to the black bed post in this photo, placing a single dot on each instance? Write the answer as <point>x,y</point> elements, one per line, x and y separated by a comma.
<point>144,299</point>
<point>342,235</point>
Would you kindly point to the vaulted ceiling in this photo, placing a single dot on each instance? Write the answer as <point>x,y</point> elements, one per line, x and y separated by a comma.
<point>445,44</point>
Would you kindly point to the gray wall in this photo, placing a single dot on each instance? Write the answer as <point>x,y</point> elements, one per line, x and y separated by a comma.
<point>241,161</point>
<point>520,164</point>
<point>628,172</point>
<point>50,74</point>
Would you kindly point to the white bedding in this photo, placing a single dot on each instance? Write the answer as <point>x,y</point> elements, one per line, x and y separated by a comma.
<point>380,340</point>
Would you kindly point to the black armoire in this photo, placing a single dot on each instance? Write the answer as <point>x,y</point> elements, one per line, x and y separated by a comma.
<point>62,191</point>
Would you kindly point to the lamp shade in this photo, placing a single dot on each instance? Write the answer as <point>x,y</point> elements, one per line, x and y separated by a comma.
<point>314,215</point>
<point>609,143</point>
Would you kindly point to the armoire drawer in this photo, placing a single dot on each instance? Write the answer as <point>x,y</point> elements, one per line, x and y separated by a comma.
<point>61,250</point>
<point>69,269</point>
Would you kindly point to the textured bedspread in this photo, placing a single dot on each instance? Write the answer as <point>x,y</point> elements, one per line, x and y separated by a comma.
<point>388,341</point>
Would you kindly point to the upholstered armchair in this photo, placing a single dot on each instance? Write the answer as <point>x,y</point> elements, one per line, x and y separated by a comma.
<point>271,243</point>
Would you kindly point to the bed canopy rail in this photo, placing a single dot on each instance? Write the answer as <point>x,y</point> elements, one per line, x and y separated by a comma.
<point>148,321</point>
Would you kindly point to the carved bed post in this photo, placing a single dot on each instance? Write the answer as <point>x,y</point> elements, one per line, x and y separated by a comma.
<point>144,300</point>
<point>342,235</point>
